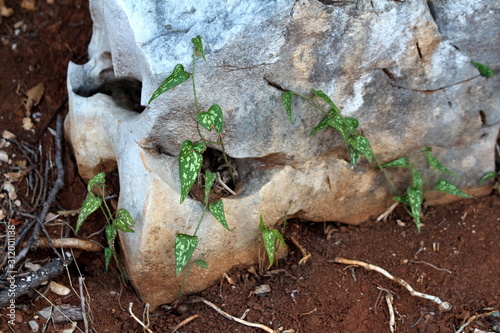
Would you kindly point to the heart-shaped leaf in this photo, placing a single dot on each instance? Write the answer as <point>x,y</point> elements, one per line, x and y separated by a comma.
<point>217,209</point>
<point>89,205</point>
<point>201,263</point>
<point>125,217</point>
<point>178,76</point>
<point>100,178</point>
<point>190,159</point>
<point>183,250</point>
<point>198,46</point>
<point>212,118</point>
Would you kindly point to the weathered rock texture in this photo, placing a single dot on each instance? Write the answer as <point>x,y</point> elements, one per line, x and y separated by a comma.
<point>402,68</point>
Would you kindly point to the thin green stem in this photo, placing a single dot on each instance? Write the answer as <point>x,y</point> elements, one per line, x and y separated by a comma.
<point>226,160</point>
<point>194,85</point>
<point>186,273</point>
<point>386,175</point>
<point>201,219</point>
<point>311,100</point>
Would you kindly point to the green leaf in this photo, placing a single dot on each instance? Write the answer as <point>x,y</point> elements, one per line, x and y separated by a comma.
<point>337,122</point>
<point>201,263</point>
<point>124,215</point>
<point>178,76</point>
<point>436,165</point>
<point>416,178</point>
<point>489,175</point>
<point>447,187</point>
<point>100,178</point>
<point>217,209</point>
<point>108,254</point>
<point>483,69</point>
<point>401,162</point>
<point>287,102</point>
<point>122,225</point>
<point>361,144</point>
<point>415,199</point>
<point>262,226</point>
<point>279,237</point>
<point>324,122</point>
<point>184,248</point>
<point>269,242</point>
<point>351,124</point>
<point>209,181</point>
<point>354,155</point>
<point>89,205</point>
<point>402,198</point>
<point>198,46</point>
<point>111,233</point>
<point>190,160</point>
<point>324,97</point>
<point>212,119</point>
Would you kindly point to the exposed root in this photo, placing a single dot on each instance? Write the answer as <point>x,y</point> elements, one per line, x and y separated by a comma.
<point>443,306</point>
<point>185,322</point>
<point>305,254</point>
<point>137,319</point>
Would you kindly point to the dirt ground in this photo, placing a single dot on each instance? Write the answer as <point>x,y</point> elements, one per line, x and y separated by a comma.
<point>456,257</point>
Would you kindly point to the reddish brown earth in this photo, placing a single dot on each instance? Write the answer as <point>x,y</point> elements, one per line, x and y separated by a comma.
<point>456,257</point>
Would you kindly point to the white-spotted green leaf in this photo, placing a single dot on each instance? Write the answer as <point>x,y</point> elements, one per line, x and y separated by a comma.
<point>402,199</point>
<point>269,237</point>
<point>325,97</point>
<point>198,46</point>
<point>447,187</point>
<point>184,248</point>
<point>436,165</point>
<point>108,253</point>
<point>209,181</point>
<point>124,215</point>
<point>337,122</point>
<point>489,175</point>
<point>324,122</point>
<point>415,199</point>
<point>416,178</point>
<point>190,159</point>
<point>401,162</point>
<point>212,119</point>
<point>351,124</point>
<point>89,205</point>
<point>122,224</point>
<point>361,144</point>
<point>111,233</point>
<point>287,103</point>
<point>354,155</point>
<point>217,210</point>
<point>201,263</point>
<point>100,178</point>
<point>178,76</point>
<point>483,69</point>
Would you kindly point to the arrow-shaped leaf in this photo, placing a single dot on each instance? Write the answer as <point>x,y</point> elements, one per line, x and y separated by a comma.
<point>178,76</point>
<point>401,162</point>
<point>183,250</point>
<point>100,178</point>
<point>447,187</point>
<point>436,165</point>
<point>325,97</point>
<point>217,209</point>
<point>212,119</point>
<point>89,205</point>
<point>190,159</point>
<point>287,103</point>
<point>209,181</point>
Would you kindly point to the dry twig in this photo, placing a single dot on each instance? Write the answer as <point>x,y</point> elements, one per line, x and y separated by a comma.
<point>443,306</point>
<point>74,243</point>
<point>185,322</point>
<point>392,319</point>
<point>82,304</point>
<point>305,254</point>
<point>137,319</point>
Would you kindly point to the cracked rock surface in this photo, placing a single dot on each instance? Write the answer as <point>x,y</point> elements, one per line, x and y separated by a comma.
<point>402,68</point>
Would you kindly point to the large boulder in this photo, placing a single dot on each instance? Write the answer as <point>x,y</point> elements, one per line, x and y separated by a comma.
<point>402,68</point>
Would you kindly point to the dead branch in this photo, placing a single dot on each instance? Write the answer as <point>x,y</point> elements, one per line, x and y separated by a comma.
<point>443,306</point>
<point>25,284</point>
<point>74,243</point>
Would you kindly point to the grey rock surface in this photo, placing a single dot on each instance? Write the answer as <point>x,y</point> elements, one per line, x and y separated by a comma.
<point>403,68</point>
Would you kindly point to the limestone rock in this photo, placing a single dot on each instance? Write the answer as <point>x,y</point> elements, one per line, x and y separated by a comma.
<point>403,68</point>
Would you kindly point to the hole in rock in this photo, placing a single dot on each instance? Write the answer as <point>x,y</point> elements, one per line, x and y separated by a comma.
<point>213,160</point>
<point>482,116</point>
<point>125,91</point>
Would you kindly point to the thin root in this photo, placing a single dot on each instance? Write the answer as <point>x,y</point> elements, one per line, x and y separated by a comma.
<point>185,322</point>
<point>443,306</point>
<point>305,254</point>
<point>137,319</point>
<point>238,320</point>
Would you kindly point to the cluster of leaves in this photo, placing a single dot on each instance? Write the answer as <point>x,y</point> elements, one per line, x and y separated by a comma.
<point>358,145</point>
<point>122,221</point>
<point>191,159</point>
<point>270,237</point>
<point>413,198</point>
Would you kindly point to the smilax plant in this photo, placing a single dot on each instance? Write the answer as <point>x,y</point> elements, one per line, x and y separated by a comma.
<point>191,159</point>
<point>358,146</point>
<point>122,220</point>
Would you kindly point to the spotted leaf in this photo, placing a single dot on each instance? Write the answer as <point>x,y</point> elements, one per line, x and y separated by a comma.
<point>447,187</point>
<point>401,162</point>
<point>89,205</point>
<point>324,97</point>
<point>209,181</point>
<point>184,248</point>
<point>100,178</point>
<point>190,159</point>
<point>111,233</point>
<point>178,76</point>
<point>217,209</point>
<point>212,118</point>
<point>108,254</point>
<point>287,103</point>
<point>123,221</point>
<point>436,165</point>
